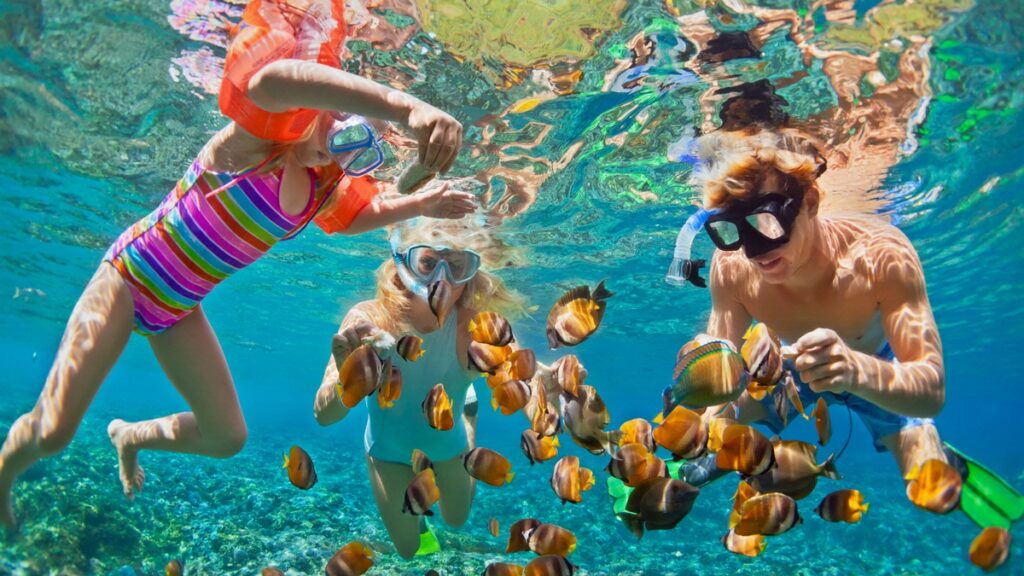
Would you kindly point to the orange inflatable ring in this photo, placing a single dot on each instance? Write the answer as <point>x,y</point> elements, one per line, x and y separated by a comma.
<point>310,30</point>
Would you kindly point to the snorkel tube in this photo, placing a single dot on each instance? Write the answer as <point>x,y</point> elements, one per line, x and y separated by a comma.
<point>683,269</point>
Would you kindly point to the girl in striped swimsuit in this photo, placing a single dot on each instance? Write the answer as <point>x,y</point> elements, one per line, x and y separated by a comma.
<point>222,216</point>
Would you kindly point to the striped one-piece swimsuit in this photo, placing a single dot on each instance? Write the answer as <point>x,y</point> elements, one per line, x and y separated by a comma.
<point>174,256</point>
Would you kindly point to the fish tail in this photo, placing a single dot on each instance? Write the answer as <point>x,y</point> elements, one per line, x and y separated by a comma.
<point>601,293</point>
<point>494,403</point>
<point>659,418</point>
<point>509,477</point>
<point>555,442</point>
<point>285,461</point>
<point>864,507</point>
<point>828,469</point>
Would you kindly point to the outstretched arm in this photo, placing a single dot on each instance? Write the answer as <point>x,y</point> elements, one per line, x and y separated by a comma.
<point>437,200</point>
<point>915,385</point>
<point>288,84</point>
<point>357,325</point>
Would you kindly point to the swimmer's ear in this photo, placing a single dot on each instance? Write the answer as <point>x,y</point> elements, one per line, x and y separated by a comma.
<point>812,198</point>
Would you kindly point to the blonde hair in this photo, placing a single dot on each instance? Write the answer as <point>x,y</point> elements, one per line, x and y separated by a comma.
<point>735,164</point>
<point>484,291</point>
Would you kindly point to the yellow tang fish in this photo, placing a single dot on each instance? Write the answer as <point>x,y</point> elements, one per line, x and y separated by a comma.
<point>989,548</point>
<point>768,514</point>
<point>842,506</point>
<point>353,559</point>
<point>490,328</point>
<point>488,466</point>
<point>749,546</point>
<point>934,486</point>
<point>576,315</point>
<point>437,409</point>
<point>300,468</point>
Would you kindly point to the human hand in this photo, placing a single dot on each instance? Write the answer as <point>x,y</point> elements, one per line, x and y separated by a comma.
<point>440,201</point>
<point>438,134</point>
<point>352,337</point>
<point>825,362</point>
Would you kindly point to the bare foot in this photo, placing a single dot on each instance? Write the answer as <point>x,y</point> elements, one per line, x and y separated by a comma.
<point>132,475</point>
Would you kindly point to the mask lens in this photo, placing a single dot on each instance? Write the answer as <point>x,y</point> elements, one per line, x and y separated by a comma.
<point>461,264</point>
<point>767,224</point>
<point>726,233</point>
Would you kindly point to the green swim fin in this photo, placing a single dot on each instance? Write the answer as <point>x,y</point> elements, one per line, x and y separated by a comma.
<point>986,498</point>
<point>428,540</point>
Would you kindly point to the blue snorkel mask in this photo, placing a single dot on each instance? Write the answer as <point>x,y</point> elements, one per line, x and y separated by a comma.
<point>354,145</point>
<point>421,265</point>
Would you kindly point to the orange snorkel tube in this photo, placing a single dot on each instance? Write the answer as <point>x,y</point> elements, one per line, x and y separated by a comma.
<point>272,30</point>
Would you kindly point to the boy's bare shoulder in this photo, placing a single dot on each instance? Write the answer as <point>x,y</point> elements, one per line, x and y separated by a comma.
<point>875,247</point>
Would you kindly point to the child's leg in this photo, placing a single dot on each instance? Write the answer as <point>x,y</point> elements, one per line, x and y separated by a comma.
<point>94,338</point>
<point>914,445</point>
<point>193,360</point>
<point>457,490</point>
<point>389,481</point>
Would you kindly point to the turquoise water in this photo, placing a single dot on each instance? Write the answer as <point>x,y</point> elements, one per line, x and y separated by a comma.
<point>98,117</point>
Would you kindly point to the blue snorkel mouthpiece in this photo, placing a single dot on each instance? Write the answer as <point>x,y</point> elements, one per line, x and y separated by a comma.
<point>683,269</point>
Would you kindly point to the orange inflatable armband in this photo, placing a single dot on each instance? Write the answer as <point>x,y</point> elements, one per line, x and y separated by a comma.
<point>273,30</point>
<point>350,197</point>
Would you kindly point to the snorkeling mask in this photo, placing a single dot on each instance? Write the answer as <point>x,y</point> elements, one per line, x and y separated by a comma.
<point>422,264</point>
<point>759,225</point>
<point>354,145</point>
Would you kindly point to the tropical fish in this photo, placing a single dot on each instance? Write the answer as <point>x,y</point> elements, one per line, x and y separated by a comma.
<point>706,375</point>
<point>637,431</point>
<point>682,433</point>
<point>487,358</point>
<point>511,396</point>
<point>744,492</point>
<point>409,347</point>
<point>767,514</point>
<point>300,468</point>
<point>576,315</point>
<point>989,548</point>
<point>658,504</point>
<point>271,571</point>
<point>523,364</point>
<point>550,565</point>
<point>503,569</point>
<point>793,395</point>
<point>796,470</point>
<point>569,480</point>
<point>586,418</point>
<point>517,535</point>
<point>716,427</point>
<point>352,559</point>
<point>421,494</point>
<point>391,388</point>
<point>488,466</point>
<point>440,300</point>
<point>174,568</point>
<point>842,506</point>
<point>822,421</point>
<point>761,351</point>
<point>437,409</point>
<point>542,414</point>
<point>538,448</point>
<point>749,546</point>
<point>934,486</point>
<point>502,374</point>
<point>633,464</point>
<point>569,374</point>
<point>550,539</point>
<point>493,528</point>
<point>745,450</point>
<point>420,461</point>
<point>490,328</point>
<point>360,375</point>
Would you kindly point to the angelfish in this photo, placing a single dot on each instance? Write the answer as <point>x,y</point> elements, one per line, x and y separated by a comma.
<point>576,315</point>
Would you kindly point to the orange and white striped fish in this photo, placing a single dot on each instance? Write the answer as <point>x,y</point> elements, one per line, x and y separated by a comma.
<point>437,409</point>
<point>842,506</point>
<point>576,315</point>
<point>491,328</point>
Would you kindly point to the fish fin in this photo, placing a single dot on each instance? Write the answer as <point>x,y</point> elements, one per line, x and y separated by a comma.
<point>828,468</point>
<point>914,473</point>
<point>472,325</point>
<point>659,418</point>
<point>509,477</point>
<point>865,506</point>
<point>633,523</point>
<point>750,329</point>
<point>494,403</point>
<point>601,293</point>
<point>757,393</point>
<point>577,293</point>
<point>285,461</point>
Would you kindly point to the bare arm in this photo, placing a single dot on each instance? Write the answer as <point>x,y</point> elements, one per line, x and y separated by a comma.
<point>288,84</point>
<point>436,201</point>
<point>327,407</point>
<point>729,319</point>
<point>915,385</point>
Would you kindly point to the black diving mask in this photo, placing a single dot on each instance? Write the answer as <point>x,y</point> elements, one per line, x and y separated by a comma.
<point>759,224</point>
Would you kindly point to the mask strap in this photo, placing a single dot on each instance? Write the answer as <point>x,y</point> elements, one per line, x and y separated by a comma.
<point>682,268</point>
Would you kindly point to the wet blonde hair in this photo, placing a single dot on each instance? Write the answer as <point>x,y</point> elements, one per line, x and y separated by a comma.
<point>736,164</point>
<point>485,291</point>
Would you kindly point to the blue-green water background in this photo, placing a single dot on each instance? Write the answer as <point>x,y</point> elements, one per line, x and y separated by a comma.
<point>94,131</point>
